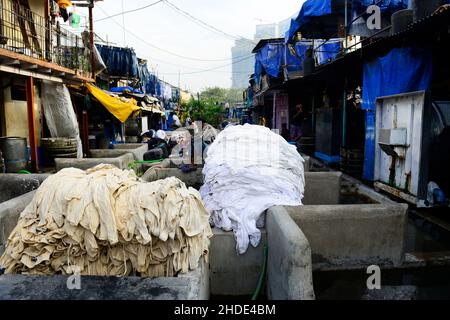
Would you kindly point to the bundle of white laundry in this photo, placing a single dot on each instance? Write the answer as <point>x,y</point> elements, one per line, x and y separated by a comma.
<point>249,169</point>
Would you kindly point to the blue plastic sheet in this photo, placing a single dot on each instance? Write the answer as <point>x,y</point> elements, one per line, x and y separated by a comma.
<point>269,60</point>
<point>402,70</point>
<point>309,10</point>
<point>389,6</point>
<point>122,89</point>
<point>327,51</point>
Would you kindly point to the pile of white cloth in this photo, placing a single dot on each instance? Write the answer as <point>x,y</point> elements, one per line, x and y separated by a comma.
<point>106,222</point>
<point>249,169</point>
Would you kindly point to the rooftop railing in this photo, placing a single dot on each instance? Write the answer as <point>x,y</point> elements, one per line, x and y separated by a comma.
<point>26,32</point>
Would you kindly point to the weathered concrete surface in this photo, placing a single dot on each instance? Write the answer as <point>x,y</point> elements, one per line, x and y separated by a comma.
<point>137,149</point>
<point>307,163</point>
<point>289,270</point>
<point>322,188</point>
<point>187,287</point>
<point>121,162</point>
<point>9,215</point>
<point>192,179</point>
<point>354,234</point>
<point>392,293</point>
<point>233,274</point>
<point>14,185</point>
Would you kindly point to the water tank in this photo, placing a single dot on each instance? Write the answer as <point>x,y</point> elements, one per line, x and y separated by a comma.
<point>14,150</point>
<point>424,8</point>
<point>400,20</point>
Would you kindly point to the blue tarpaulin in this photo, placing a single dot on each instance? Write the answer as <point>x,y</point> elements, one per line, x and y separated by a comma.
<point>401,70</point>
<point>389,6</point>
<point>324,51</point>
<point>309,10</point>
<point>269,59</point>
<point>122,89</point>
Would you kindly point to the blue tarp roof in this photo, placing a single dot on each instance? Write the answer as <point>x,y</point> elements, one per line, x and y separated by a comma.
<point>318,18</point>
<point>271,57</point>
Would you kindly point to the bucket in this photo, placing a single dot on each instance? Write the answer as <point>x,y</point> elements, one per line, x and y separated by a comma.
<point>14,150</point>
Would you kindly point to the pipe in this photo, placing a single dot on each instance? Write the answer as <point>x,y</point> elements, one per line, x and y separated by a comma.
<point>262,275</point>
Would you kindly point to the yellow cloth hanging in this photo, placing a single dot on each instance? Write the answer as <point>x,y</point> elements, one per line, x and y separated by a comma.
<point>64,4</point>
<point>118,108</point>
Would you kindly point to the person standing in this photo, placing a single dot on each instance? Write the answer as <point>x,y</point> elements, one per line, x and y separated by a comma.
<point>296,123</point>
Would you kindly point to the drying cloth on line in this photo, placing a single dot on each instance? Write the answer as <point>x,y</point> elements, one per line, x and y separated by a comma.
<point>107,223</point>
<point>249,169</point>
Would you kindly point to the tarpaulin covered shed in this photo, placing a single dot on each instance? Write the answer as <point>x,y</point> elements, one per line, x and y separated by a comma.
<point>120,109</point>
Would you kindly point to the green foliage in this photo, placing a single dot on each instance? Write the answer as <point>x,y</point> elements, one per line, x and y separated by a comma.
<point>205,110</point>
<point>221,95</point>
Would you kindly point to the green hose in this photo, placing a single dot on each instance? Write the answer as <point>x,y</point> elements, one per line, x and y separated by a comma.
<point>262,275</point>
<point>24,172</point>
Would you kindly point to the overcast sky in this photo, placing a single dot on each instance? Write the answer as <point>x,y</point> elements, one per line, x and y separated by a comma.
<point>166,28</point>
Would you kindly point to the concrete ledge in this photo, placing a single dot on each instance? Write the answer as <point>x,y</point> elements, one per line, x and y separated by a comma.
<point>14,185</point>
<point>9,215</point>
<point>191,179</point>
<point>307,163</point>
<point>354,234</point>
<point>121,162</point>
<point>322,188</point>
<point>233,274</point>
<point>137,149</point>
<point>187,287</point>
<point>289,265</point>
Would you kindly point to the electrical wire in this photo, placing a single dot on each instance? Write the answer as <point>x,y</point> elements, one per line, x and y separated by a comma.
<point>129,11</point>
<point>208,70</point>
<point>201,22</point>
<point>165,50</point>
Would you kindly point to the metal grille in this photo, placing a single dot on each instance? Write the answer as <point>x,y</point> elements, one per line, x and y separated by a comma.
<point>26,32</point>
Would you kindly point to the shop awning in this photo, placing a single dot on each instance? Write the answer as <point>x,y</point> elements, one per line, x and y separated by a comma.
<point>118,108</point>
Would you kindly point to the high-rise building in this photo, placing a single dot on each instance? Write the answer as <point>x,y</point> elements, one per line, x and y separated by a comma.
<point>242,67</point>
<point>243,63</point>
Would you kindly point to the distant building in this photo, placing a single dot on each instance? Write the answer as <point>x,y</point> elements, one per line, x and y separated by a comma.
<point>242,70</point>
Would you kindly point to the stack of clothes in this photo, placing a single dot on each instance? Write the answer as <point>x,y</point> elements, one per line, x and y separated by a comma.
<point>106,222</point>
<point>249,169</point>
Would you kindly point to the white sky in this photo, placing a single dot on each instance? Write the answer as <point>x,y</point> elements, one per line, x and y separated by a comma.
<point>164,27</point>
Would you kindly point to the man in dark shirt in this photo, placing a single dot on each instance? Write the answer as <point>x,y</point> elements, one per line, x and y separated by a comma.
<point>296,122</point>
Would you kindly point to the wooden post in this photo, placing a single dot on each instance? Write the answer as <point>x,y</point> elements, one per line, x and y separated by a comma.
<point>32,124</point>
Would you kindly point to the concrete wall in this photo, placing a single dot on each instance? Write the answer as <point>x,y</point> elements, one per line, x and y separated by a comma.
<point>121,162</point>
<point>191,179</point>
<point>190,286</point>
<point>9,215</point>
<point>232,274</point>
<point>14,185</point>
<point>322,188</point>
<point>353,235</point>
<point>137,149</point>
<point>289,270</point>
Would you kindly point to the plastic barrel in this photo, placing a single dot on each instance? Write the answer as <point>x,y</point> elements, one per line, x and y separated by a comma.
<point>14,150</point>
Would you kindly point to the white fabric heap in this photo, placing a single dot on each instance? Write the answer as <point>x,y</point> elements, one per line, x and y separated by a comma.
<point>249,169</point>
<point>106,222</point>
